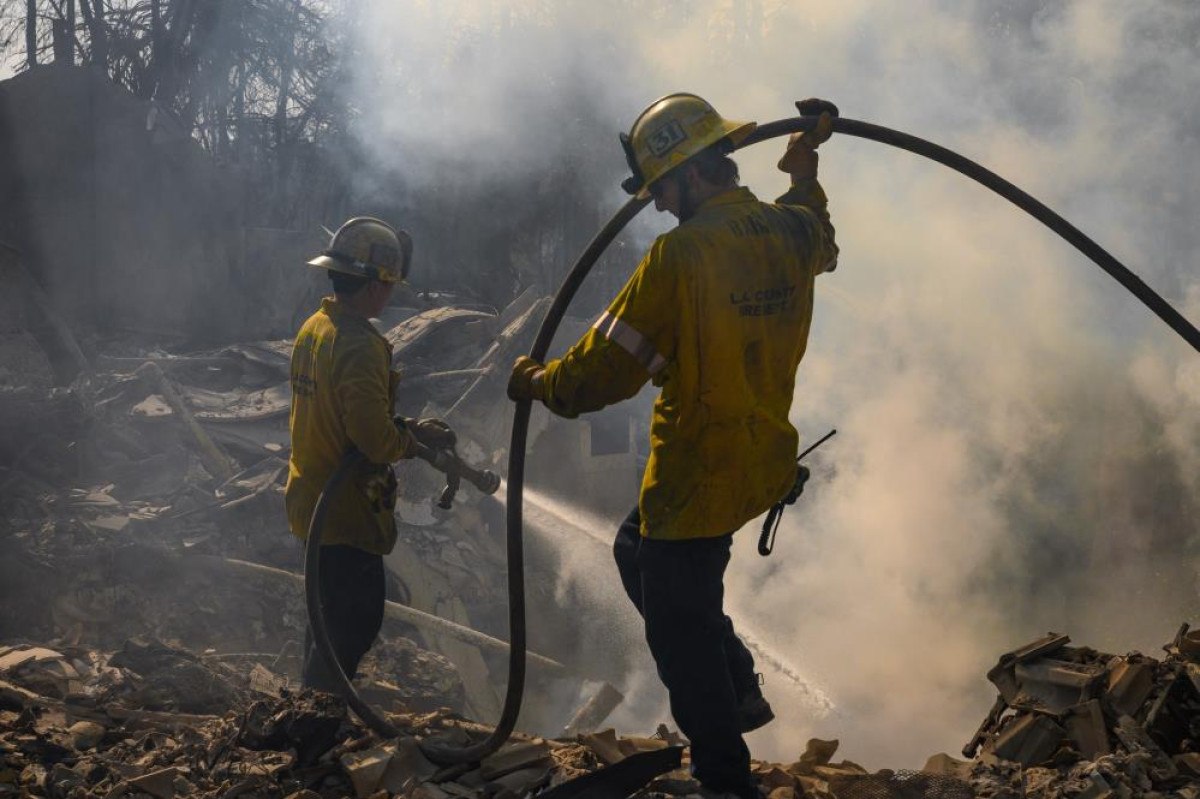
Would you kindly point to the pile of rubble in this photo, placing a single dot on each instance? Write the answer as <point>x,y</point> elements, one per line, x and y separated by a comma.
<point>1074,722</point>
<point>156,720</point>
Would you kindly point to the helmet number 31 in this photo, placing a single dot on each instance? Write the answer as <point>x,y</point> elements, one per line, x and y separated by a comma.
<point>666,137</point>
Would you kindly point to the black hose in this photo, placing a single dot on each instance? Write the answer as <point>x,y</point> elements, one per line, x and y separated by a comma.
<point>447,463</point>
<point>516,484</point>
<point>520,429</point>
<point>965,166</point>
<point>312,598</point>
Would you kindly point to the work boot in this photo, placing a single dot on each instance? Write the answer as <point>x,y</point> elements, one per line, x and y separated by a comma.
<point>704,792</point>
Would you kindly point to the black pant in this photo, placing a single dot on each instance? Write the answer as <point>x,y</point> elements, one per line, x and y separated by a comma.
<point>353,589</point>
<point>678,587</point>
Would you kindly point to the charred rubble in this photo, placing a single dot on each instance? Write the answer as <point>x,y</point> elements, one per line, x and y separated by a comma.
<point>1079,722</point>
<point>156,720</point>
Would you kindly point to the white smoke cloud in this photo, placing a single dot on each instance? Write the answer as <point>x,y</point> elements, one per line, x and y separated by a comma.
<point>1018,443</point>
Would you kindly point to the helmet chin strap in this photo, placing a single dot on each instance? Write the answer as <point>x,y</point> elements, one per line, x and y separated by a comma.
<point>687,205</point>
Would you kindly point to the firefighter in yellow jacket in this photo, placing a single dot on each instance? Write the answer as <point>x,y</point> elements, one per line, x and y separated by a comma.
<point>717,316</point>
<point>343,391</point>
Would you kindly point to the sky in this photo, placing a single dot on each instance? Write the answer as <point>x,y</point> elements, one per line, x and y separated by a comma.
<point>1018,438</point>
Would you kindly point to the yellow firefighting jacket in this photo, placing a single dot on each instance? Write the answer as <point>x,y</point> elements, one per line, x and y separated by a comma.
<point>343,390</point>
<point>717,314</point>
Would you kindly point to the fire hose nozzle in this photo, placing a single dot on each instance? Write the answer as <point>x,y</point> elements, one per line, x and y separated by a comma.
<point>449,464</point>
<point>489,482</point>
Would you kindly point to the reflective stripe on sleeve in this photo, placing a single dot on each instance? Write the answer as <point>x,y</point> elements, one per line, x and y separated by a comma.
<point>631,341</point>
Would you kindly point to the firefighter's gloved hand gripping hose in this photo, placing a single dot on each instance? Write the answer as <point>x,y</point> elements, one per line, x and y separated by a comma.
<point>520,429</point>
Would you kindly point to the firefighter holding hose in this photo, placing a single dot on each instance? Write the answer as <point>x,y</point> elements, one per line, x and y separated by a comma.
<point>343,392</point>
<point>716,315</point>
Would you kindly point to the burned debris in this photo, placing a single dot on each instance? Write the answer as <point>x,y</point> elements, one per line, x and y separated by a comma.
<point>156,720</point>
<point>1088,723</point>
<point>151,719</point>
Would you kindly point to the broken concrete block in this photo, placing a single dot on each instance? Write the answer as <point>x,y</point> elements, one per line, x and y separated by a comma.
<point>513,757</point>
<point>843,769</point>
<point>817,752</point>
<point>16,697</point>
<point>604,745</point>
<point>264,681</point>
<point>85,734</point>
<point>1029,740</point>
<point>594,711</point>
<point>1087,730</point>
<point>39,669</point>
<point>1097,788</point>
<point>367,768</point>
<point>407,763</point>
<point>1002,674</point>
<point>775,778</point>
<point>1134,738</point>
<point>782,793</point>
<point>813,785</point>
<point>113,523</point>
<point>943,763</point>
<point>160,783</point>
<point>1129,684</point>
<point>1055,685</point>
<point>633,744</point>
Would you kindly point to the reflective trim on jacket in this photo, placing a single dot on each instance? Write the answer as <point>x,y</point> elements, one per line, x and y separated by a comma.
<point>343,391</point>
<point>717,314</point>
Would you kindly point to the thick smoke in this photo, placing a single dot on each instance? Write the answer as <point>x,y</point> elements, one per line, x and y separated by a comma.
<point>1019,439</point>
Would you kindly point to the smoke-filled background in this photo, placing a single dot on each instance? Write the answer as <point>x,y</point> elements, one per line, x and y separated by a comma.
<point>1018,438</point>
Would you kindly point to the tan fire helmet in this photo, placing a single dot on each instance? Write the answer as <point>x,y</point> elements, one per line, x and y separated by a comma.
<point>368,247</point>
<point>669,132</point>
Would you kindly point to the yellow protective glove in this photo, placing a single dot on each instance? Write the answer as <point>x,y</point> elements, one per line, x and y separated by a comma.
<point>525,382</point>
<point>800,158</point>
<point>410,441</point>
<point>432,432</point>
